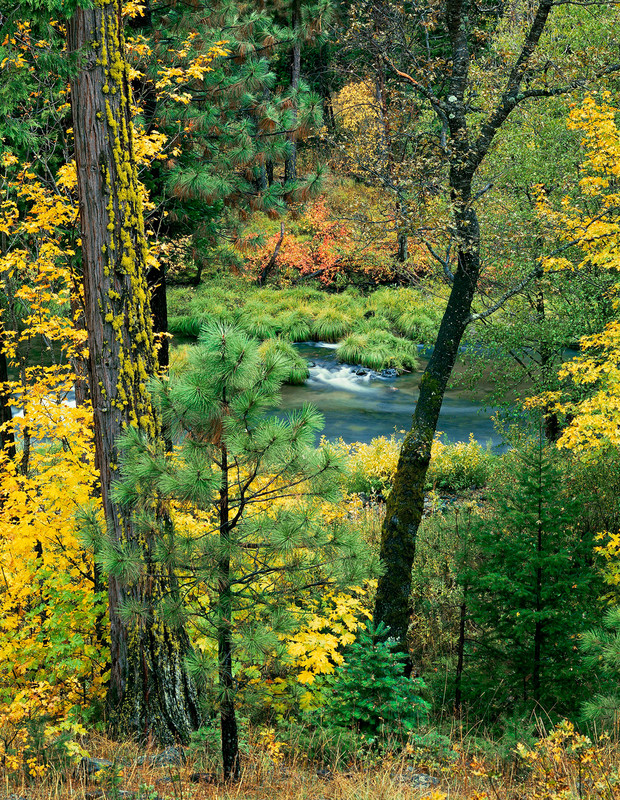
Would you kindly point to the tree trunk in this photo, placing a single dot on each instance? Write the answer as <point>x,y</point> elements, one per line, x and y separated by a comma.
<point>538,626</point>
<point>159,309</point>
<point>547,373</point>
<point>458,680</point>
<point>149,692</point>
<point>464,154</point>
<point>79,363</point>
<point>228,718</point>
<point>405,503</point>
<point>7,435</point>
<point>387,157</point>
<point>290,163</point>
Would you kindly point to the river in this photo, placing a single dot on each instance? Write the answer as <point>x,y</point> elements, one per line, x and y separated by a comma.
<point>360,407</point>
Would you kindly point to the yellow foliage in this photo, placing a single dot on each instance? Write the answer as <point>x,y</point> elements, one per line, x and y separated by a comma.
<point>35,722</point>
<point>453,467</point>
<point>173,78</point>
<point>596,419</point>
<point>358,113</point>
<point>48,606</point>
<point>566,763</point>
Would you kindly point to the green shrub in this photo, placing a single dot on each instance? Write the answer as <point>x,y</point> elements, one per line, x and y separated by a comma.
<point>323,745</point>
<point>369,693</point>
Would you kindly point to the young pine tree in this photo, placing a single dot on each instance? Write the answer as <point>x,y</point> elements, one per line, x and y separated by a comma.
<point>246,493</point>
<point>601,648</point>
<point>532,590</point>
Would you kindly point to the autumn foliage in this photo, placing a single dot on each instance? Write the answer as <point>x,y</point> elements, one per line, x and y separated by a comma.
<point>325,248</point>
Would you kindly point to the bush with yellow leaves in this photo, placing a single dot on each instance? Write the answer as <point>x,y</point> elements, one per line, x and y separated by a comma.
<point>36,729</point>
<point>566,763</point>
<point>454,467</point>
<point>460,466</point>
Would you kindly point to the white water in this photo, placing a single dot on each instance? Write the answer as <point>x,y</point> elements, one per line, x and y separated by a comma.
<point>358,408</point>
<point>324,345</point>
<point>339,377</point>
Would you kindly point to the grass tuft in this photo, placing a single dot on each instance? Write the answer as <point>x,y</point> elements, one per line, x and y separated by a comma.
<point>379,349</point>
<point>298,368</point>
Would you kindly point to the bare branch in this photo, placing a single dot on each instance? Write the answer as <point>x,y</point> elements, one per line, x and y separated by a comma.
<point>445,263</point>
<point>482,191</point>
<point>534,273</point>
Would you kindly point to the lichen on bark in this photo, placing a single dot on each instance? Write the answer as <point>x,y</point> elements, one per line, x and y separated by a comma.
<point>150,693</point>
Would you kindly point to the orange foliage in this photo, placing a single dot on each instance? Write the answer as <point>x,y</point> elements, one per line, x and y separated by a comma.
<point>325,248</point>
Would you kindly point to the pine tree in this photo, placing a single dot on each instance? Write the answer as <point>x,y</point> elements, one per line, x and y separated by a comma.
<point>246,491</point>
<point>533,588</point>
<point>601,648</point>
<point>235,127</point>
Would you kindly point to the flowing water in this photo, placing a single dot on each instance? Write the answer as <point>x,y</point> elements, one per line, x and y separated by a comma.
<point>359,404</point>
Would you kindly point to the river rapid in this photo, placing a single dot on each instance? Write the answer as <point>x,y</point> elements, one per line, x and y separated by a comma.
<point>359,404</point>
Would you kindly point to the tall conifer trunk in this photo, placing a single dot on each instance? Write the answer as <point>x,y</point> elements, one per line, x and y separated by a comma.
<point>150,693</point>
<point>290,163</point>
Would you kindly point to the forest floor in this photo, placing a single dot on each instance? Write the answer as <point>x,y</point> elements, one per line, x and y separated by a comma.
<point>562,766</point>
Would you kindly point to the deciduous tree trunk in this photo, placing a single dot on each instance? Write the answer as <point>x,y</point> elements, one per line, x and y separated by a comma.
<point>465,152</point>
<point>7,436</point>
<point>406,500</point>
<point>149,692</point>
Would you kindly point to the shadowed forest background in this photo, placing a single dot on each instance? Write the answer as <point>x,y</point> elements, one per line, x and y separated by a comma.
<point>310,398</point>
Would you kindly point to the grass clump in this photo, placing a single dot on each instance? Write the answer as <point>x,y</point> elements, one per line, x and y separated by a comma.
<point>187,327</point>
<point>258,324</point>
<point>379,349</point>
<point>296,325</point>
<point>331,323</point>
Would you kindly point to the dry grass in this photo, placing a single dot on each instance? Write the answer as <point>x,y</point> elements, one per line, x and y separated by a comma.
<point>562,765</point>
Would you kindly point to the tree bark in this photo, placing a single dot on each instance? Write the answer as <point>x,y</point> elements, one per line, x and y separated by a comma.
<point>465,153</point>
<point>149,693</point>
<point>156,279</point>
<point>7,435</point>
<point>290,163</point>
<point>538,625</point>
<point>405,503</point>
<point>458,680</point>
<point>228,718</point>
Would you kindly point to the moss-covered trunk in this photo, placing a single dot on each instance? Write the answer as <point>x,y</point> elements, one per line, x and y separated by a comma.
<point>405,503</point>
<point>465,151</point>
<point>149,691</point>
